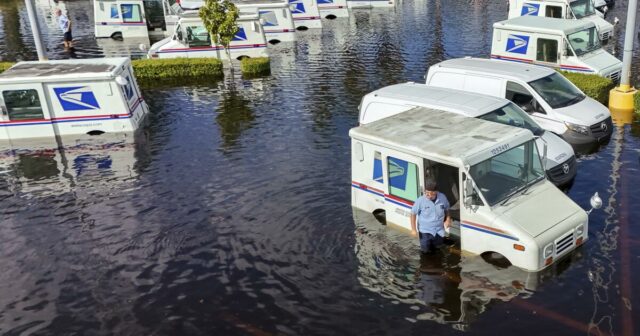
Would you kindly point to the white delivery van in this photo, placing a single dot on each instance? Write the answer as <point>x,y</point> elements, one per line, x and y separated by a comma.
<point>370,3</point>
<point>552,100</point>
<point>192,40</point>
<point>275,16</point>
<point>306,14</point>
<point>491,173</point>
<point>560,164</point>
<point>563,9</point>
<point>569,45</point>
<point>332,9</point>
<point>119,19</point>
<point>80,96</point>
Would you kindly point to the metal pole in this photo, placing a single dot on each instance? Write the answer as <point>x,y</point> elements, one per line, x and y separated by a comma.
<point>625,78</point>
<point>35,29</point>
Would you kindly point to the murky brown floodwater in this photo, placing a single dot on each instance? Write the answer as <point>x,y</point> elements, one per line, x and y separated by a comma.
<point>230,213</point>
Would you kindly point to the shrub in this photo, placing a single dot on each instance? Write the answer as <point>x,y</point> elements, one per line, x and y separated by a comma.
<point>255,66</point>
<point>5,65</point>
<point>173,69</point>
<point>593,86</point>
<point>636,101</point>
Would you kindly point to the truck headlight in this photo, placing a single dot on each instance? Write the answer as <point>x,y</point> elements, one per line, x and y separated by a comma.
<point>580,230</point>
<point>577,128</point>
<point>548,251</point>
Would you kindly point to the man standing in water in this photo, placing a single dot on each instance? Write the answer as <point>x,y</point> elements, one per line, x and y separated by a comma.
<point>432,210</point>
<point>65,26</point>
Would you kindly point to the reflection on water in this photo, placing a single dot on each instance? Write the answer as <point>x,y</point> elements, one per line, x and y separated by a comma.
<point>445,287</point>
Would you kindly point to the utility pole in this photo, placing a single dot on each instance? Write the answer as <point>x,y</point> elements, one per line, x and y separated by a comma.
<point>621,97</point>
<point>35,29</point>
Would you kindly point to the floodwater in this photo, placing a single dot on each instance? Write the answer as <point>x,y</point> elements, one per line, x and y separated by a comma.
<point>229,214</point>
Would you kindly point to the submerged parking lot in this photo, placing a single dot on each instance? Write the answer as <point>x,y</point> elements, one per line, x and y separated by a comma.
<point>230,213</point>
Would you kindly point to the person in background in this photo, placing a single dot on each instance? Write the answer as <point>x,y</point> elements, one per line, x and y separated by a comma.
<point>432,212</point>
<point>65,26</point>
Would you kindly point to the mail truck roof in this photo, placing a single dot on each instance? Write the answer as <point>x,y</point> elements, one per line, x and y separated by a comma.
<point>64,70</point>
<point>537,24</point>
<point>431,133</point>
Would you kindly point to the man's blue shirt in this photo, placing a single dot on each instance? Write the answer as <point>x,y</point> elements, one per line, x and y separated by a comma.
<point>430,215</point>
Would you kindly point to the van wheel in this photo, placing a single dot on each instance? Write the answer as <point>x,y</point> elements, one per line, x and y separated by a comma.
<point>331,17</point>
<point>95,132</point>
<point>117,36</point>
<point>381,216</point>
<point>302,28</point>
<point>496,259</point>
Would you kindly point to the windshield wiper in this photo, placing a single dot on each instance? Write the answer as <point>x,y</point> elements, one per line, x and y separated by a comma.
<point>539,178</point>
<point>523,188</point>
<point>512,192</point>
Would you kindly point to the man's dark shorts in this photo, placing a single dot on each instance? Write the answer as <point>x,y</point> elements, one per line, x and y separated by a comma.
<point>429,243</point>
<point>68,37</point>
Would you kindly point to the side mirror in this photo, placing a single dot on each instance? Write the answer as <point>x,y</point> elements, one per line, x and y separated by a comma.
<point>179,35</point>
<point>468,201</point>
<point>122,81</point>
<point>528,107</point>
<point>596,202</point>
<point>467,193</point>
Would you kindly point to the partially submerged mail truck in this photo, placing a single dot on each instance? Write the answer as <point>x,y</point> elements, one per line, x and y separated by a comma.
<point>563,9</point>
<point>551,99</point>
<point>67,97</point>
<point>560,164</point>
<point>191,40</point>
<point>119,18</point>
<point>491,173</point>
<point>562,44</point>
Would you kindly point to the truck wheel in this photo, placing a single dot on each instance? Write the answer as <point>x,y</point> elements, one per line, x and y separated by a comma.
<point>496,259</point>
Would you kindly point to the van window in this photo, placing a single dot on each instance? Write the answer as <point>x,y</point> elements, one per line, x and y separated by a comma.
<point>403,179</point>
<point>23,104</point>
<point>377,167</point>
<point>131,13</point>
<point>553,12</point>
<point>197,36</point>
<point>448,80</point>
<point>547,51</point>
<point>521,96</point>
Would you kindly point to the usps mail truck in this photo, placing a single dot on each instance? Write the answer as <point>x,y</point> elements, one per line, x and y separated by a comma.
<point>119,18</point>
<point>191,40</point>
<point>492,175</point>
<point>306,14</point>
<point>332,9</point>
<point>67,97</point>
<point>563,9</point>
<point>275,16</point>
<point>552,100</point>
<point>560,164</point>
<point>569,45</point>
<point>370,3</point>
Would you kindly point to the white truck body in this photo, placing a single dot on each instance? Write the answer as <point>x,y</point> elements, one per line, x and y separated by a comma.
<point>569,45</point>
<point>120,18</point>
<point>553,101</point>
<point>332,9</point>
<point>69,97</point>
<point>563,9</point>
<point>491,174</point>
<point>370,3</point>
<point>306,14</point>
<point>191,40</point>
<point>275,16</point>
<point>560,164</point>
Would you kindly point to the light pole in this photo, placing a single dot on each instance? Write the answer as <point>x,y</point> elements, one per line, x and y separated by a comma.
<point>621,97</point>
<point>35,29</point>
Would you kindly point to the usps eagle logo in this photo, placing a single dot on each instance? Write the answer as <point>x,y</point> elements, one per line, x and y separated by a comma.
<point>76,98</point>
<point>530,9</point>
<point>297,7</point>
<point>241,35</point>
<point>517,44</point>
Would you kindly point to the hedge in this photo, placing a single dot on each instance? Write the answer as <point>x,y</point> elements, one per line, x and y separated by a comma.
<point>255,66</point>
<point>636,101</point>
<point>5,65</point>
<point>172,69</point>
<point>593,86</point>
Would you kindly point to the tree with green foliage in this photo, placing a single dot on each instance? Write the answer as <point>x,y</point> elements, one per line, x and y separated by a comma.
<point>219,18</point>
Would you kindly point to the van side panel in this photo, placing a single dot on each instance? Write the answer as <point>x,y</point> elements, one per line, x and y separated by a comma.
<point>378,110</point>
<point>485,85</point>
<point>445,79</point>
